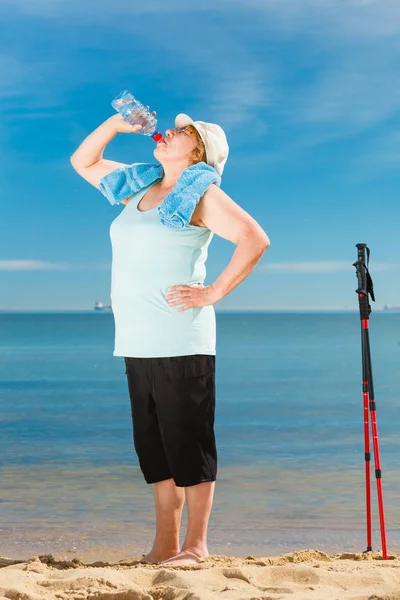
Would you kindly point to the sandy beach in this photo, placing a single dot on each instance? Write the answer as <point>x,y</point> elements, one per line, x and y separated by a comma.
<point>303,575</point>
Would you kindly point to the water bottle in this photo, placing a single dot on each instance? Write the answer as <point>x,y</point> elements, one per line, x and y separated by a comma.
<point>136,113</point>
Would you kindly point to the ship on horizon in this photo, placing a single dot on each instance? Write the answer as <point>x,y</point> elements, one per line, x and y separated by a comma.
<point>388,307</point>
<point>99,306</point>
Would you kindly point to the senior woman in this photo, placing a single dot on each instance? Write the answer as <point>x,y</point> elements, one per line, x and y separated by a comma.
<point>165,322</point>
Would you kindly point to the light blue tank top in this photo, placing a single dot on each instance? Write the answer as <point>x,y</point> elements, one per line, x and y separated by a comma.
<point>148,258</point>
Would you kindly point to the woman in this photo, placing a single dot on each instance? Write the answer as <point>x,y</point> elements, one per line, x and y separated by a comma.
<point>165,322</point>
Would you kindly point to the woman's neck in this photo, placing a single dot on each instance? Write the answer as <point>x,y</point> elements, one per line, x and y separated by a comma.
<point>171,175</point>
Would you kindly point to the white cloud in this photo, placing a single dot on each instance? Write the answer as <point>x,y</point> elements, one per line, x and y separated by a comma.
<point>323,266</point>
<point>344,19</point>
<point>225,78</point>
<point>44,265</point>
<point>228,84</point>
<point>351,48</point>
<point>31,265</point>
<point>310,267</point>
<point>349,53</point>
<point>357,93</point>
<point>355,18</point>
<point>238,96</point>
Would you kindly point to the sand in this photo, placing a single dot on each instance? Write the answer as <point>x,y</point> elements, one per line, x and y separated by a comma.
<point>303,575</point>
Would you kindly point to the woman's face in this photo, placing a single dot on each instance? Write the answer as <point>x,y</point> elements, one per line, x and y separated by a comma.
<point>176,146</point>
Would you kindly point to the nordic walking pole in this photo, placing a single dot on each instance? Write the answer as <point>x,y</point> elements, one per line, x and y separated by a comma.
<point>365,310</point>
<point>365,288</point>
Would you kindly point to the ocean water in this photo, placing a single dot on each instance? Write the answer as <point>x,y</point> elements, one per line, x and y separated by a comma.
<point>288,425</point>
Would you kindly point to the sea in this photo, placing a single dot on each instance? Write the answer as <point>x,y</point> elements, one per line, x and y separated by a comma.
<point>289,428</point>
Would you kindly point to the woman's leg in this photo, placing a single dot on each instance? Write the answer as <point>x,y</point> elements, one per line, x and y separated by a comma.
<point>169,500</point>
<point>185,399</point>
<point>199,499</point>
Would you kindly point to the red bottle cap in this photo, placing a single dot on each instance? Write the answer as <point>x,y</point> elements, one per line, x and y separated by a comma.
<point>157,136</point>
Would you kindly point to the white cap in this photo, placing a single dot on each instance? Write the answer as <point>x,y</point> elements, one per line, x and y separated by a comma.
<point>214,139</point>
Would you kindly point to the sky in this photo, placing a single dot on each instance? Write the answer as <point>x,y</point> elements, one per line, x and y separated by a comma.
<point>307,93</point>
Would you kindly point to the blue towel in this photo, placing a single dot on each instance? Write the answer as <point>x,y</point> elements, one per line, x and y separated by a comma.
<point>177,208</point>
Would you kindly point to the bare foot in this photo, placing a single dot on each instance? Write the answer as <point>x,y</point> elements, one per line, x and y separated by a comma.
<point>186,557</point>
<point>154,557</point>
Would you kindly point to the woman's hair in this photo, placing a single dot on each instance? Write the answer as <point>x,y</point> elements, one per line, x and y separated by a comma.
<point>198,154</point>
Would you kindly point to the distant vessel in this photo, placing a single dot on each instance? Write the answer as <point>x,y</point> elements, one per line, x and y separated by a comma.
<point>387,307</point>
<point>99,306</point>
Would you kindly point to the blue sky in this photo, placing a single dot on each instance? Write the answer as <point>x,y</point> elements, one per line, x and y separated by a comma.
<point>307,93</point>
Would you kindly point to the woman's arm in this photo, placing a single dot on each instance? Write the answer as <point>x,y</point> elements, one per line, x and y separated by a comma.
<point>246,256</point>
<point>91,149</point>
<point>227,219</point>
<point>88,159</point>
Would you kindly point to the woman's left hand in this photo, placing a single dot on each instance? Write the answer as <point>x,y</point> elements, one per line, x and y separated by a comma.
<point>191,296</point>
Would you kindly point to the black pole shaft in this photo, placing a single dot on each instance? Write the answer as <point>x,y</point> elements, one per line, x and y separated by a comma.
<point>365,288</point>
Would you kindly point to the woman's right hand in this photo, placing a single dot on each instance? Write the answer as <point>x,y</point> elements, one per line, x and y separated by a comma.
<point>122,126</point>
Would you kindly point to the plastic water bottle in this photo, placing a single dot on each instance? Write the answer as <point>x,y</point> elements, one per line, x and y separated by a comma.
<point>136,113</point>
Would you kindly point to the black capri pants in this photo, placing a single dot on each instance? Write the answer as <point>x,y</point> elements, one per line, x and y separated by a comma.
<point>173,410</point>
